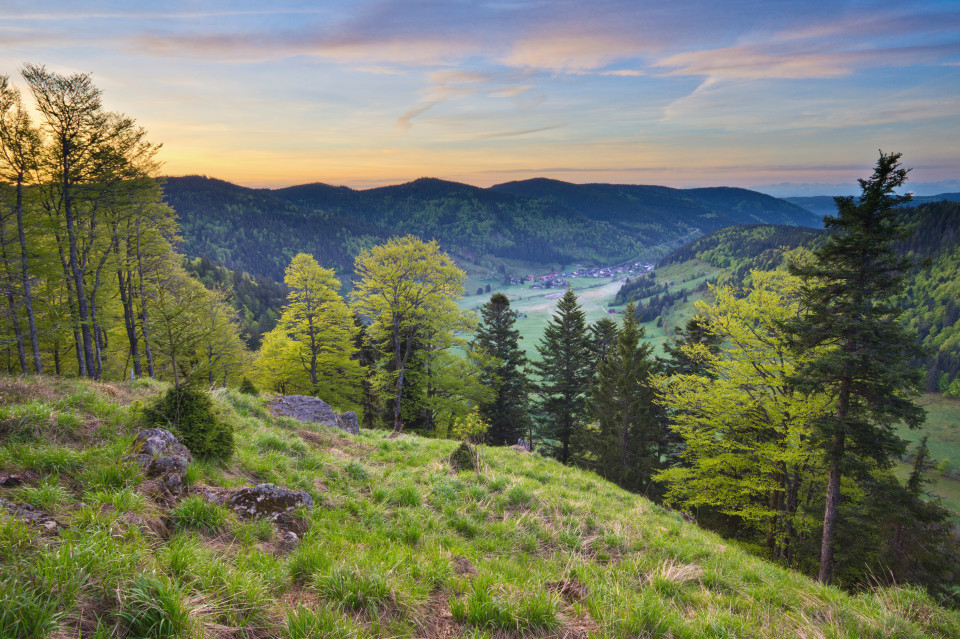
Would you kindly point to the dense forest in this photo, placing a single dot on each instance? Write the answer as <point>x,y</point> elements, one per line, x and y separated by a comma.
<point>929,300</point>
<point>540,221</point>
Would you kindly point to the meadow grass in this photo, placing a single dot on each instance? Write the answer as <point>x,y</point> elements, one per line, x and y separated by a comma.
<point>397,546</point>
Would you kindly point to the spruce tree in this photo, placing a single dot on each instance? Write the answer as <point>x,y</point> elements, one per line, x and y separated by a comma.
<point>507,413</point>
<point>565,372</point>
<point>626,445</point>
<point>862,354</point>
<point>603,335</point>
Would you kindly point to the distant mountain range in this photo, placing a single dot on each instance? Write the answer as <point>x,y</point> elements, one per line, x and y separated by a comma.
<point>822,205</point>
<point>532,221</point>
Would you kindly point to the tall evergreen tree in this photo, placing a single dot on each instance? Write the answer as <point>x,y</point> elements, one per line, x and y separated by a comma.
<point>603,336</point>
<point>626,446</point>
<point>507,413</point>
<point>565,372</point>
<point>862,352</point>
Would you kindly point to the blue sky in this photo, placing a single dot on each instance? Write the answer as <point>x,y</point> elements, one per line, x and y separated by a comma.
<point>367,93</point>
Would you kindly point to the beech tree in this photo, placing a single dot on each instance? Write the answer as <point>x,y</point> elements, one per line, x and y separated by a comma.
<point>19,149</point>
<point>407,289</point>
<point>863,354</point>
<point>92,164</point>
<point>565,370</point>
<point>320,330</point>
<point>746,430</point>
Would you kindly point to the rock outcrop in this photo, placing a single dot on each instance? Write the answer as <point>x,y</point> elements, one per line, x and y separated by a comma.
<point>161,455</point>
<point>268,501</point>
<point>311,409</point>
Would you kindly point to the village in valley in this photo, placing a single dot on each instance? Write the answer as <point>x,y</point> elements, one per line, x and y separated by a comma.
<point>562,280</point>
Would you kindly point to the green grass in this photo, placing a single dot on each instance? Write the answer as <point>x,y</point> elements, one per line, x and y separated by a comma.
<point>398,546</point>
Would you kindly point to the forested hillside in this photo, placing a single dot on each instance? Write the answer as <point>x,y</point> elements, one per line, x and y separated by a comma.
<point>256,231</point>
<point>930,301</point>
<point>539,221</point>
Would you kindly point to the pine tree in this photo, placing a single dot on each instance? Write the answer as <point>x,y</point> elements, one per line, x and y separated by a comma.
<point>626,447</point>
<point>863,354</point>
<point>507,413</point>
<point>565,372</point>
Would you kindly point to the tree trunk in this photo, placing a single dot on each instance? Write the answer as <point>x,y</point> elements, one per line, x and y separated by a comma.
<point>11,300</point>
<point>143,310</point>
<point>25,281</point>
<point>830,522</point>
<point>130,320</point>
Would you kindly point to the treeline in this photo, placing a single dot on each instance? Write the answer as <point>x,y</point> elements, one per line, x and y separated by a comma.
<point>929,300</point>
<point>638,288</point>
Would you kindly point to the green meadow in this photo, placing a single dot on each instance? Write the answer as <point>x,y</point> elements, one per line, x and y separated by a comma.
<point>398,545</point>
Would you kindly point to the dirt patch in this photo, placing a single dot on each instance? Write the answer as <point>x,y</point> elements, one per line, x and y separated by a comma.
<point>462,566</point>
<point>570,589</point>
<point>435,620</point>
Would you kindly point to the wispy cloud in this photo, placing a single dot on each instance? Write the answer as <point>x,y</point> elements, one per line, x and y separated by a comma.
<point>403,122</point>
<point>518,132</point>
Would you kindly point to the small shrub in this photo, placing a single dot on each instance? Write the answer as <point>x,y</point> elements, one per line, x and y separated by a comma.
<point>190,414</point>
<point>462,458</point>
<point>247,387</point>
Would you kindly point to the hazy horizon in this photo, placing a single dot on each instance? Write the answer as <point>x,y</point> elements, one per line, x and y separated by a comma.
<point>372,93</point>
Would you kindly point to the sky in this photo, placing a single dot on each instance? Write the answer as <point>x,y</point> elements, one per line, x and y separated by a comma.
<point>681,93</point>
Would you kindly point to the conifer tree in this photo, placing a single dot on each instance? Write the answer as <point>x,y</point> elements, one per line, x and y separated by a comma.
<point>603,336</point>
<point>863,354</point>
<point>507,412</point>
<point>565,371</point>
<point>626,446</point>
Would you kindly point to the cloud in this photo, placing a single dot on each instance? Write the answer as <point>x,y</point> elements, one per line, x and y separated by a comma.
<point>518,132</point>
<point>403,122</point>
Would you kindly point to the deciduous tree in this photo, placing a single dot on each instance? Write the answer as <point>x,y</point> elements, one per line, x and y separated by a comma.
<point>407,289</point>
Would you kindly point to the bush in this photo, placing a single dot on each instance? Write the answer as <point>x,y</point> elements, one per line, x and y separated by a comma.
<point>189,413</point>
<point>462,458</point>
<point>247,387</point>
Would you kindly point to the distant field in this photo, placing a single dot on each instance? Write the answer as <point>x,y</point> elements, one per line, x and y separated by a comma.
<point>596,296</point>
<point>943,431</point>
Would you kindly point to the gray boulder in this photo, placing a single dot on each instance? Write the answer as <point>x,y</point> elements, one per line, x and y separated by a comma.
<point>311,409</point>
<point>268,501</point>
<point>160,454</point>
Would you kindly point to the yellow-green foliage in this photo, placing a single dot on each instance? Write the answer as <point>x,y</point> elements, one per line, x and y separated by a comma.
<point>397,546</point>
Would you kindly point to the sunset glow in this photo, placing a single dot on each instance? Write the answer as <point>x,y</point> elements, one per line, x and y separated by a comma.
<point>369,93</point>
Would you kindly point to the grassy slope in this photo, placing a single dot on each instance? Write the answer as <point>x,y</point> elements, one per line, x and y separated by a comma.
<point>398,544</point>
